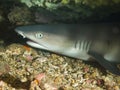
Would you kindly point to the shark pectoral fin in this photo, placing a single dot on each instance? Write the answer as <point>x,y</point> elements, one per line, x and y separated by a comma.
<point>112,67</point>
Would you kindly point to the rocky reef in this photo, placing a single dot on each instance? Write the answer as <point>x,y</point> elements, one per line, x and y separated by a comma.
<point>65,11</point>
<point>75,9</point>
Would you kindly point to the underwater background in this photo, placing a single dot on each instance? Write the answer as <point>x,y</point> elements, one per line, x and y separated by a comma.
<point>26,68</point>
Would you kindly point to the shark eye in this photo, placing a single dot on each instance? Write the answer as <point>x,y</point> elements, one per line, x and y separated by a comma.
<point>39,35</point>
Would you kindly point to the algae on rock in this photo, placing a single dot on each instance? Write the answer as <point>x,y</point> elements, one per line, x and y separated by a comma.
<point>58,10</point>
<point>21,15</point>
<point>75,9</point>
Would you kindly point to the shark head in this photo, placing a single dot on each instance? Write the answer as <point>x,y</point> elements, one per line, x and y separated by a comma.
<point>45,37</point>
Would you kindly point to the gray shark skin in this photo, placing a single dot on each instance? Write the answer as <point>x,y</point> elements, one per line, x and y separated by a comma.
<point>83,41</point>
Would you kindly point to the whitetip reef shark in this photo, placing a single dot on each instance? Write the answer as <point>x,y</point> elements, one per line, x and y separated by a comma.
<point>100,41</point>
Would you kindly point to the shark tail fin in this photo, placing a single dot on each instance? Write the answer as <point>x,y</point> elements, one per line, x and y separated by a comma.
<point>112,67</point>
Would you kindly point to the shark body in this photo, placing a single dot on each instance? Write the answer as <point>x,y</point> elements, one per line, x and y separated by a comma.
<point>84,41</point>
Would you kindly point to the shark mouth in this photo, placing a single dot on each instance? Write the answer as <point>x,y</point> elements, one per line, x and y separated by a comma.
<point>36,45</point>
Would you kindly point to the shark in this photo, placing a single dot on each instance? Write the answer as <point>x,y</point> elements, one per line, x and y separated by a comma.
<point>100,41</point>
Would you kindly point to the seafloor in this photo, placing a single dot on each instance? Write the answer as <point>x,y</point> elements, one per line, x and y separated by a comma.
<point>24,68</point>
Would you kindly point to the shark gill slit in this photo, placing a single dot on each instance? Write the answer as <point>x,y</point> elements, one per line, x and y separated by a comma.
<point>82,45</point>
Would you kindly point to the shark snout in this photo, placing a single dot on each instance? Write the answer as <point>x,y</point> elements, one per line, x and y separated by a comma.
<point>20,32</point>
